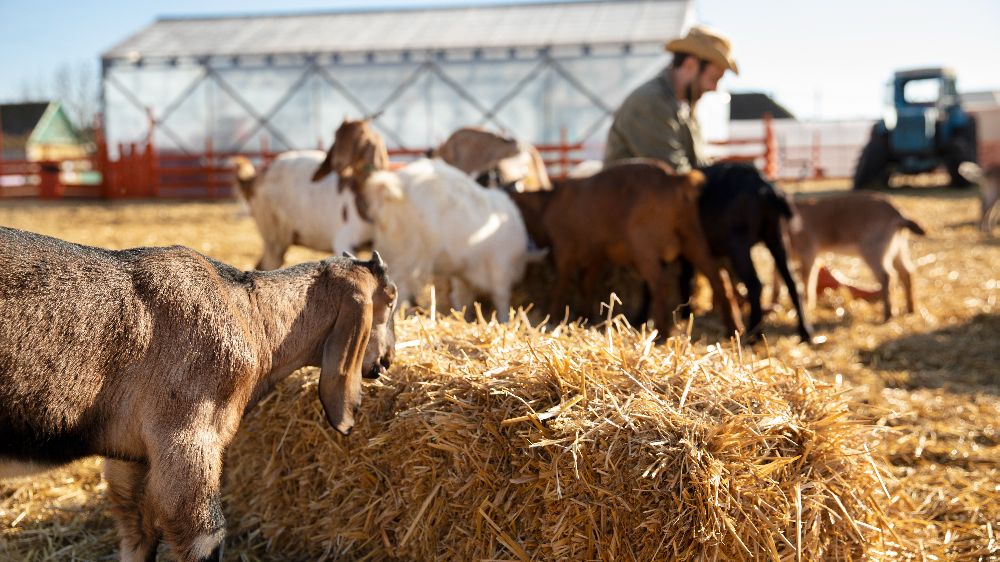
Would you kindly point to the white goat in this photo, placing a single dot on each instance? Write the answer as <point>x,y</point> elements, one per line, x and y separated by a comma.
<point>289,207</point>
<point>151,356</point>
<point>432,220</point>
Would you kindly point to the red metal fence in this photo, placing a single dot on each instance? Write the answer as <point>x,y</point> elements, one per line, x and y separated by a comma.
<point>138,170</point>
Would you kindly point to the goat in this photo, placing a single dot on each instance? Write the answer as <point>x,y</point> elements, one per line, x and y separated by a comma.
<point>989,193</point>
<point>150,357</point>
<point>290,207</point>
<point>431,219</point>
<point>586,168</point>
<point>482,154</point>
<point>855,223</point>
<point>738,209</point>
<point>633,213</point>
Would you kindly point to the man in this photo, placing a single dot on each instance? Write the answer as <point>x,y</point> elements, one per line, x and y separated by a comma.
<point>657,120</point>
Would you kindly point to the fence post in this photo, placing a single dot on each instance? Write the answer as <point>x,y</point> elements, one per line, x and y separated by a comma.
<point>101,160</point>
<point>563,151</point>
<point>48,176</point>
<point>814,154</point>
<point>1,146</point>
<point>770,148</point>
<point>209,164</point>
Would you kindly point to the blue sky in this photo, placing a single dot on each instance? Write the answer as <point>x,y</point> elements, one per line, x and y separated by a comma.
<point>821,59</point>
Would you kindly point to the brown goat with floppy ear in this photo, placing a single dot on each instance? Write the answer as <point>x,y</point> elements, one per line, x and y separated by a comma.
<point>150,357</point>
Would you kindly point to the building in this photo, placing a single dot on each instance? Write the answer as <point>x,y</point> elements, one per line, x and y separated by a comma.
<point>286,81</point>
<point>752,106</point>
<point>39,131</point>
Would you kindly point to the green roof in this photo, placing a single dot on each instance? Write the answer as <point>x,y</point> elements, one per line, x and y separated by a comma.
<point>54,127</point>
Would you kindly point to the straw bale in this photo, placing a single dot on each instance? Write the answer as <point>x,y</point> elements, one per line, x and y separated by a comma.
<point>510,442</point>
<point>926,382</point>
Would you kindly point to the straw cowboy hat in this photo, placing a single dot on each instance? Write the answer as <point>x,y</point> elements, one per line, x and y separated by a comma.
<point>706,44</point>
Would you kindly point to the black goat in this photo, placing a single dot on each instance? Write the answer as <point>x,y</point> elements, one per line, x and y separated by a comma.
<point>739,208</point>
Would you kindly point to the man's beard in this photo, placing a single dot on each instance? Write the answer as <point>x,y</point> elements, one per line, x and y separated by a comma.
<point>693,92</point>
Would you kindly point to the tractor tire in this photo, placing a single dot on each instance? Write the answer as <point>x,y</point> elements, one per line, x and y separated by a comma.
<point>873,164</point>
<point>961,149</point>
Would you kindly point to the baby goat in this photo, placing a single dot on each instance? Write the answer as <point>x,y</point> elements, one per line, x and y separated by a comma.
<point>861,224</point>
<point>151,356</point>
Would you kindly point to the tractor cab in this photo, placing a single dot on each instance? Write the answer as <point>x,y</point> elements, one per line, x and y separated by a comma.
<point>924,127</point>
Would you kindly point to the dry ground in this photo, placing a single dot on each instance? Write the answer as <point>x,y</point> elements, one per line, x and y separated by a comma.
<point>931,379</point>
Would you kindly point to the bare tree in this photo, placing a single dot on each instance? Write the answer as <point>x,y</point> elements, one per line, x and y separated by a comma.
<point>75,86</point>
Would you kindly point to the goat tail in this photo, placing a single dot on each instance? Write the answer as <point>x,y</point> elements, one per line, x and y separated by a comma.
<point>970,171</point>
<point>246,175</point>
<point>913,227</point>
<point>781,203</point>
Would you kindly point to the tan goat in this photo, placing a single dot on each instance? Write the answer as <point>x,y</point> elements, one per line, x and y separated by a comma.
<point>479,152</point>
<point>151,356</point>
<point>860,224</point>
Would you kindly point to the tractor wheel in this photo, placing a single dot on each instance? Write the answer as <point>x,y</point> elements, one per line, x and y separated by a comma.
<point>873,164</point>
<point>961,149</point>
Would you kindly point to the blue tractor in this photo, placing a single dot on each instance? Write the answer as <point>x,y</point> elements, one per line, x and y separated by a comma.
<point>924,128</point>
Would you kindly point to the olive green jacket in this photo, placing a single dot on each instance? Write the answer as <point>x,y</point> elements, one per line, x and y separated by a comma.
<point>651,123</point>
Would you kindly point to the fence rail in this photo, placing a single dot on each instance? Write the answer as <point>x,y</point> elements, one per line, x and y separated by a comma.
<point>139,170</point>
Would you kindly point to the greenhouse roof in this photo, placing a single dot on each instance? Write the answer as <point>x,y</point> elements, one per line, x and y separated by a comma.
<point>427,29</point>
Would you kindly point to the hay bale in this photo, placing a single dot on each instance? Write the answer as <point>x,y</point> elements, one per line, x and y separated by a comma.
<point>490,441</point>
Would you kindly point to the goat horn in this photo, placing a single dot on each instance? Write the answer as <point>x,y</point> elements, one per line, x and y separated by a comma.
<point>350,255</point>
<point>377,258</point>
<point>375,115</point>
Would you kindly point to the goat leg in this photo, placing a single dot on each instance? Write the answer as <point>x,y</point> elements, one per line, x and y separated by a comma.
<point>183,487</point>
<point>742,266</point>
<point>696,251</point>
<point>776,246</point>
<point>135,523</point>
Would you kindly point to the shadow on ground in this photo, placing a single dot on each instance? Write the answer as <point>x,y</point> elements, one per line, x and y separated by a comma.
<point>956,357</point>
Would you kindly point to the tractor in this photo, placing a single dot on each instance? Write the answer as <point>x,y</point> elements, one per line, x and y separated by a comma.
<point>924,128</point>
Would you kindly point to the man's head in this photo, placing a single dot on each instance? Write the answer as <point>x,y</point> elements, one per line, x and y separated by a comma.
<point>700,59</point>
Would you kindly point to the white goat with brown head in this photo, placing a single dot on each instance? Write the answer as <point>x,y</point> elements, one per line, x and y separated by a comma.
<point>433,221</point>
<point>290,207</point>
<point>151,356</point>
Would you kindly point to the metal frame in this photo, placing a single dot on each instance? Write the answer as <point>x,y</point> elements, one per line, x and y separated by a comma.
<point>433,64</point>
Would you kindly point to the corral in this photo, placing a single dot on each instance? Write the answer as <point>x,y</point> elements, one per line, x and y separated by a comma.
<point>490,442</point>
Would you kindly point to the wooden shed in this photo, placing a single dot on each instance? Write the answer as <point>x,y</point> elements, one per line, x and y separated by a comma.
<point>39,131</point>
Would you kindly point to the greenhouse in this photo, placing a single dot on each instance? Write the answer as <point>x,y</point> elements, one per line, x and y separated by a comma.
<point>546,72</point>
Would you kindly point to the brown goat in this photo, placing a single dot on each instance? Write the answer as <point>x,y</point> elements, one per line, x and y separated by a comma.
<point>151,356</point>
<point>636,213</point>
<point>861,224</point>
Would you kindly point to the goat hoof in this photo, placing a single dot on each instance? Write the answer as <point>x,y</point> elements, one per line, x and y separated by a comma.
<point>815,340</point>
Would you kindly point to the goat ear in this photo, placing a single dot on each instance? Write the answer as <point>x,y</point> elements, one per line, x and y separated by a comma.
<point>325,167</point>
<point>343,357</point>
<point>375,154</point>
